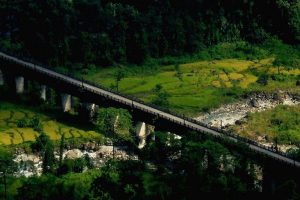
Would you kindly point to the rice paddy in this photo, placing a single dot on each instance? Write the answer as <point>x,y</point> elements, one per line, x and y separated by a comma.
<point>10,133</point>
<point>204,85</point>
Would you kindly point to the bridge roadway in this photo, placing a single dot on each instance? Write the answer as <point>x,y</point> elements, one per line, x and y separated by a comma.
<point>162,114</point>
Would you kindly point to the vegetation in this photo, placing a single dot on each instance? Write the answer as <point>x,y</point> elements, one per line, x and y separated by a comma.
<point>281,124</point>
<point>198,86</point>
<point>107,32</point>
<point>187,56</point>
<point>165,42</point>
<point>206,167</point>
<point>20,124</point>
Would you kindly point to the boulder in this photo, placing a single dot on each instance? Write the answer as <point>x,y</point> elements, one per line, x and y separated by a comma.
<point>296,97</point>
<point>254,103</point>
<point>279,96</point>
<point>73,154</point>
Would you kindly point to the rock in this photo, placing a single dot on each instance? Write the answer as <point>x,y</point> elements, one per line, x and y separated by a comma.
<point>73,154</point>
<point>296,97</point>
<point>238,122</point>
<point>254,103</point>
<point>279,97</point>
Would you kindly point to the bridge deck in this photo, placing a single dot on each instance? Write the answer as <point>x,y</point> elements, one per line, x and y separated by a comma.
<point>149,109</point>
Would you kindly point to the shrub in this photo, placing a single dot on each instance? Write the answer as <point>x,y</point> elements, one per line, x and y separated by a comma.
<point>279,77</point>
<point>263,79</point>
<point>36,124</point>
<point>22,123</point>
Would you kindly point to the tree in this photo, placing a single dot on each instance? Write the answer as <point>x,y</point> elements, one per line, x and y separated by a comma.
<point>116,123</point>
<point>61,147</point>
<point>178,72</point>
<point>106,120</point>
<point>44,145</point>
<point>161,96</point>
<point>7,167</point>
<point>118,76</point>
<point>43,187</point>
<point>48,158</point>
<point>107,186</point>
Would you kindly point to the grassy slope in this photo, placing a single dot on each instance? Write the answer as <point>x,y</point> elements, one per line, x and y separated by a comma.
<point>282,122</point>
<point>205,85</point>
<point>11,134</point>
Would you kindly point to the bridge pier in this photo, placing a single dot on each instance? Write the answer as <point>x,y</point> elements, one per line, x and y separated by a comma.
<point>1,78</point>
<point>43,91</point>
<point>142,131</point>
<point>19,84</point>
<point>66,102</point>
<point>88,110</point>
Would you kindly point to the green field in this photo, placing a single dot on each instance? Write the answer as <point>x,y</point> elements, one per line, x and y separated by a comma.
<point>204,84</point>
<point>10,133</point>
<point>282,122</point>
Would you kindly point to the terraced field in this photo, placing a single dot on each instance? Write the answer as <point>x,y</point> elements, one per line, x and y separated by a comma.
<point>203,85</point>
<point>10,133</point>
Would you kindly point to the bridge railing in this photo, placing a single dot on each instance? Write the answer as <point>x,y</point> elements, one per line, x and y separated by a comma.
<point>134,99</point>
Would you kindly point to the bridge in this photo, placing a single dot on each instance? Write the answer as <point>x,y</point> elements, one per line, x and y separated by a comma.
<point>94,94</point>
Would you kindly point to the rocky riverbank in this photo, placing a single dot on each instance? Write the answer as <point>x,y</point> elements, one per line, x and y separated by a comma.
<point>31,164</point>
<point>233,113</point>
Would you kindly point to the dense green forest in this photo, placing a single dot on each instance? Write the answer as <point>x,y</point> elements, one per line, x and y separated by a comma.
<point>107,32</point>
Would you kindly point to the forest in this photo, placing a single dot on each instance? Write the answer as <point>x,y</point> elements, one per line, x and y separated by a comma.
<point>84,32</point>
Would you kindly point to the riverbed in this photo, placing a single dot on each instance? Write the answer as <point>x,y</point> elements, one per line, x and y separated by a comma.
<point>230,114</point>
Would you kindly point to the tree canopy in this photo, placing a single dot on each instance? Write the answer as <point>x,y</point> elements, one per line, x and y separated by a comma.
<point>105,32</point>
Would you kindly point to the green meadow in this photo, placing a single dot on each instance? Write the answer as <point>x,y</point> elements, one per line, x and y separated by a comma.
<point>203,84</point>
<point>11,133</point>
<point>281,123</point>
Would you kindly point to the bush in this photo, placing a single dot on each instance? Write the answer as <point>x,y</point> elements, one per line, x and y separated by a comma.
<point>36,124</point>
<point>263,79</point>
<point>22,123</point>
<point>279,77</point>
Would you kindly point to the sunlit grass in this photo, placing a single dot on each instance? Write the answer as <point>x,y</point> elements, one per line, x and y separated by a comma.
<point>202,82</point>
<point>10,133</point>
<point>282,122</point>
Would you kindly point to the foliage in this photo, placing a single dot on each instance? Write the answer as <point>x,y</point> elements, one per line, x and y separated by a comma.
<point>119,75</point>
<point>109,32</point>
<point>263,79</point>
<point>161,96</point>
<point>6,160</point>
<point>113,120</point>
<point>45,146</point>
<point>72,165</point>
<point>280,123</point>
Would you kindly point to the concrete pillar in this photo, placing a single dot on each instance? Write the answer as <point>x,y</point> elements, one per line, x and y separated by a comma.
<point>1,78</point>
<point>142,131</point>
<point>90,108</point>
<point>43,92</point>
<point>66,102</point>
<point>19,84</point>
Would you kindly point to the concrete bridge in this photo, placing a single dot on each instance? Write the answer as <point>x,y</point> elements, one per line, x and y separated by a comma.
<point>150,115</point>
